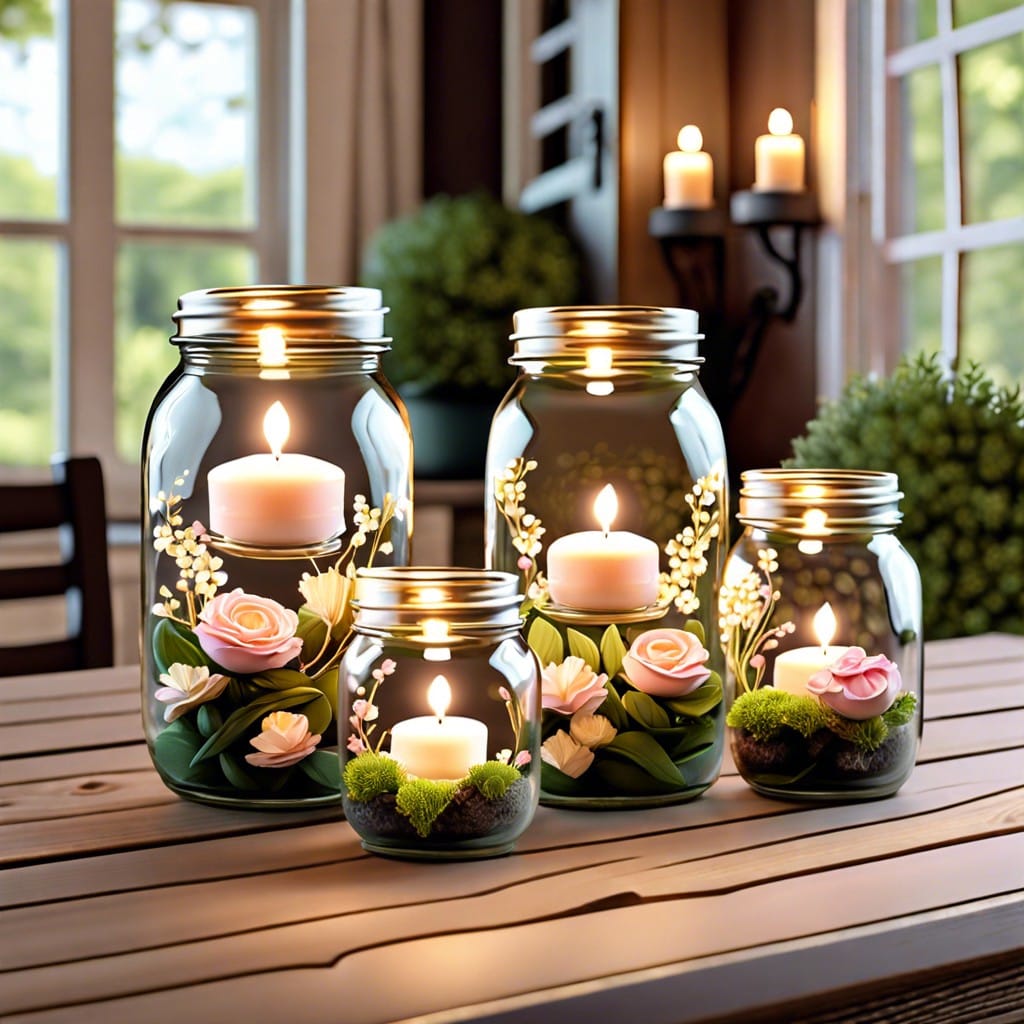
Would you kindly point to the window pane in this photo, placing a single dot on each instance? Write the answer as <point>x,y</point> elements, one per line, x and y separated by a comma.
<point>29,290</point>
<point>150,277</point>
<point>966,11</point>
<point>992,312</point>
<point>31,139</point>
<point>921,292</point>
<point>992,128</point>
<point>186,105</point>
<point>917,20</point>
<point>922,208</point>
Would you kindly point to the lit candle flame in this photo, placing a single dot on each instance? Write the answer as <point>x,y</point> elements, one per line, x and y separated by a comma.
<point>435,630</point>
<point>780,122</point>
<point>439,696</point>
<point>273,349</point>
<point>690,139</point>
<point>276,426</point>
<point>599,358</point>
<point>825,625</point>
<point>606,507</point>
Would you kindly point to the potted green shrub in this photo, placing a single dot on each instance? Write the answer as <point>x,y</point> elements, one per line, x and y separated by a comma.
<point>453,273</point>
<point>957,445</point>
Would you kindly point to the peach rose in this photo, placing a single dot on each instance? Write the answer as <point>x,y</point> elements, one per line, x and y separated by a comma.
<point>246,633</point>
<point>284,739</point>
<point>666,663</point>
<point>857,686</point>
<point>572,686</point>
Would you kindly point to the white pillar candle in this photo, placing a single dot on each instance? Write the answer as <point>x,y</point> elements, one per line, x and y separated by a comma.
<point>603,570</point>
<point>688,172</point>
<point>275,500</point>
<point>779,156</point>
<point>439,746</point>
<point>793,668</point>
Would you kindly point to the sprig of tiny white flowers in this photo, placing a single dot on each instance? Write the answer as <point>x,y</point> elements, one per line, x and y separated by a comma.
<point>745,609</point>
<point>687,551</point>
<point>526,528</point>
<point>200,572</point>
<point>365,712</point>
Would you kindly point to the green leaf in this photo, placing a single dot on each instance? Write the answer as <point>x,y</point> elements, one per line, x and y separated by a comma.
<point>623,778</point>
<point>281,679</point>
<point>174,643</point>
<point>613,650</point>
<point>546,642</point>
<point>238,721</point>
<point>313,631</point>
<point>237,775</point>
<point>701,700</point>
<point>558,783</point>
<point>612,708</point>
<point>645,710</point>
<point>320,714</point>
<point>696,627</point>
<point>323,767</point>
<point>174,749</point>
<point>581,646</point>
<point>209,719</point>
<point>327,684</point>
<point>645,752</point>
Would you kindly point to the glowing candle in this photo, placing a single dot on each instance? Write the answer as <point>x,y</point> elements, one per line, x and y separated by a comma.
<point>275,500</point>
<point>436,746</point>
<point>603,570</point>
<point>688,171</point>
<point>793,668</point>
<point>779,156</point>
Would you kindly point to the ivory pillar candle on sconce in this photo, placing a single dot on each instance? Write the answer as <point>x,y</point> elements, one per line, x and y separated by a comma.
<point>688,172</point>
<point>779,156</point>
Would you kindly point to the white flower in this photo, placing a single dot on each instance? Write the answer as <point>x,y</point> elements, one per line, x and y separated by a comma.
<point>186,687</point>
<point>326,595</point>
<point>561,751</point>
<point>591,730</point>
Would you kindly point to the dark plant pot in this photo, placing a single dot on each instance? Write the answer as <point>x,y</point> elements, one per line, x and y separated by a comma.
<point>450,433</point>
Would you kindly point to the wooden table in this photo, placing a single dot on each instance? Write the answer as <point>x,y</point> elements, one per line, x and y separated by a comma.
<point>124,903</point>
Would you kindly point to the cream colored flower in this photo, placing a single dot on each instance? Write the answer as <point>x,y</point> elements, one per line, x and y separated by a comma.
<point>592,730</point>
<point>284,739</point>
<point>572,686</point>
<point>561,751</point>
<point>327,595</point>
<point>186,687</point>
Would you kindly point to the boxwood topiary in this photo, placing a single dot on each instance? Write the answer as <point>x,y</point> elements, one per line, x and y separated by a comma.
<point>453,273</point>
<point>957,445</point>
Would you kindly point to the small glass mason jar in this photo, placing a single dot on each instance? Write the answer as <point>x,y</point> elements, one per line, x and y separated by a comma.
<point>607,491</point>
<point>276,458</point>
<point>442,700</point>
<point>821,620</point>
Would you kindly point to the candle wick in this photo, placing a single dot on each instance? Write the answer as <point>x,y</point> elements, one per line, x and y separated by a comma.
<point>440,719</point>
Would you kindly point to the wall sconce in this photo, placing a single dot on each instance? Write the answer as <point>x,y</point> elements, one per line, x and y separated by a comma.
<point>692,241</point>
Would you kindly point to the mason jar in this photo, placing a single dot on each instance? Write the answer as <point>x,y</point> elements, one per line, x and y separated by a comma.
<point>607,492</point>
<point>441,699</point>
<point>821,622</point>
<point>276,459</point>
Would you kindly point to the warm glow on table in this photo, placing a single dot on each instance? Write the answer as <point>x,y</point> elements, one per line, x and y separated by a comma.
<point>779,156</point>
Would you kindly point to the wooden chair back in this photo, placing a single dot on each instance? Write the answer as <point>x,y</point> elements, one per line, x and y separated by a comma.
<point>74,503</point>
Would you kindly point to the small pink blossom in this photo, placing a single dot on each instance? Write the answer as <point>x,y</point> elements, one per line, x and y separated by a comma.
<point>247,633</point>
<point>572,686</point>
<point>355,744</point>
<point>524,562</point>
<point>857,686</point>
<point>666,663</point>
<point>387,667</point>
<point>504,694</point>
<point>756,660</point>
<point>524,757</point>
<point>365,711</point>
<point>284,739</point>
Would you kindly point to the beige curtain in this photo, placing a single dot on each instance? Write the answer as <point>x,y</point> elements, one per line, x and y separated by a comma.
<point>364,103</point>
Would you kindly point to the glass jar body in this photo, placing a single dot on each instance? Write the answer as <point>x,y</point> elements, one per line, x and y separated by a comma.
<point>853,733</point>
<point>442,699</point>
<point>633,417</point>
<point>240,665</point>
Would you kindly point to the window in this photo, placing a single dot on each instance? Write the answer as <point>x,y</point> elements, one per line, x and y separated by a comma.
<point>948,202</point>
<point>142,154</point>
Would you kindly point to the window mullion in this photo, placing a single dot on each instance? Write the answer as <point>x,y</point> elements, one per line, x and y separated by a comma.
<point>89,345</point>
<point>952,188</point>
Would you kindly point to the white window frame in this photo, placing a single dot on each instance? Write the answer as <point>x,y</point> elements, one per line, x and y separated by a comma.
<point>89,236</point>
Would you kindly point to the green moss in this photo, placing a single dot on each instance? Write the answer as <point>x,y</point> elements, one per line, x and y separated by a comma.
<point>423,800</point>
<point>370,775</point>
<point>493,778</point>
<point>766,712</point>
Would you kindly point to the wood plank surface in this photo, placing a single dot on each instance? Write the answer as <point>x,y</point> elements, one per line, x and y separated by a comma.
<point>124,903</point>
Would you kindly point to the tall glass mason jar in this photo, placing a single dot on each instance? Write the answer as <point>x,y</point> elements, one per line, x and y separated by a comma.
<point>442,700</point>
<point>607,491</point>
<point>821,620</point>
<point>276,459</point>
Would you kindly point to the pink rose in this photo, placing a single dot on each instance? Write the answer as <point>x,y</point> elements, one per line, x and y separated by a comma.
<point>246,633</point>
<point>572,686</point>
<point>284,739</point>
<point>666,663</point>
<point>857,686</point>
